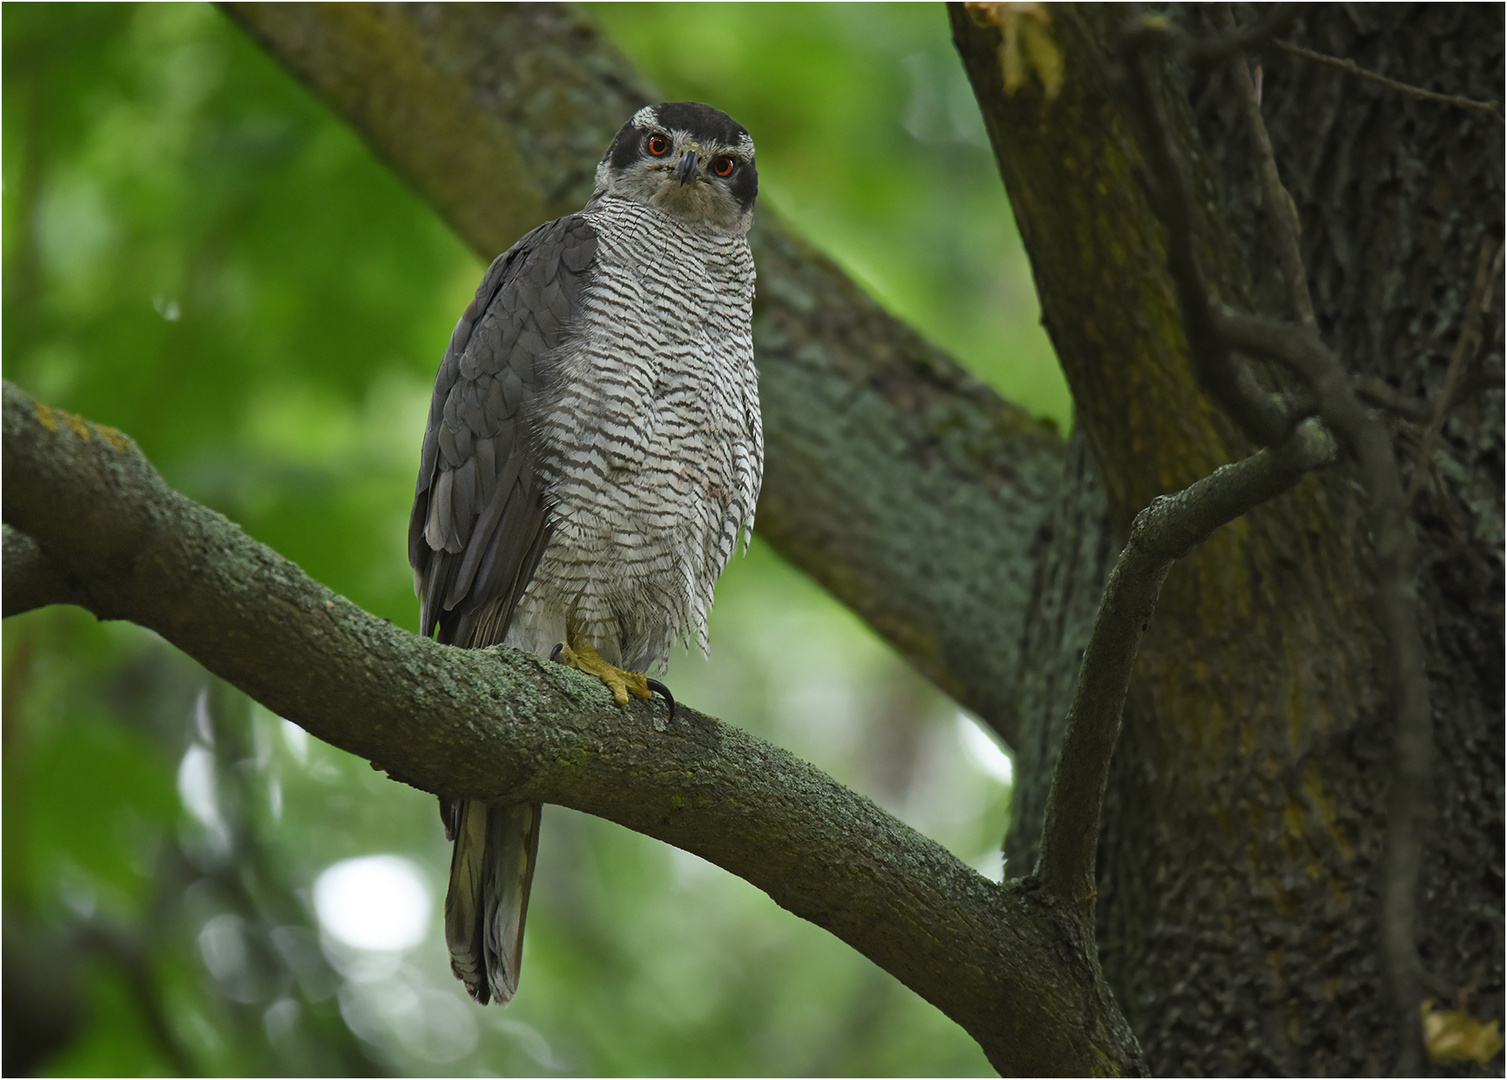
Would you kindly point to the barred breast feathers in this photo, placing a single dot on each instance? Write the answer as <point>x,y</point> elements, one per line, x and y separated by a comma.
<point>650,443</point>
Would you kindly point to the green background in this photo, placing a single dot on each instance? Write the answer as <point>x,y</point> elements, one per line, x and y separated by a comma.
<point>196,252</point>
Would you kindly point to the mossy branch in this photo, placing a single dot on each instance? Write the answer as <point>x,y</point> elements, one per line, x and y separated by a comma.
<point>83,506</point>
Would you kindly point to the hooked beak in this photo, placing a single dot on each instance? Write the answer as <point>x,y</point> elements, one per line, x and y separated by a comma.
<point>685,171</point>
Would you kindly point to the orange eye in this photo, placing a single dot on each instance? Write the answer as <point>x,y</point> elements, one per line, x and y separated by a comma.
<point>659,146</point>
<point>724,166</point>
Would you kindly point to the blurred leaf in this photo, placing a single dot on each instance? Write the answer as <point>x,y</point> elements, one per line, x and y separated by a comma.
<point>99,801</point>
<point>113,1043</point>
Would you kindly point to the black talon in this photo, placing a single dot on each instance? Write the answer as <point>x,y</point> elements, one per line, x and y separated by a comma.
<point>660,688</point>
<point>554,654</point>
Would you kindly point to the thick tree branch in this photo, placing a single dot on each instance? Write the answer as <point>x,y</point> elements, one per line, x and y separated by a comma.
<point>1230,761</point>
<point>1099,257</point>
<point>899,482</point>
<point>1213,337</point>
<point>1162,534</point>
<point>497,723</point>
<point>31,579</point>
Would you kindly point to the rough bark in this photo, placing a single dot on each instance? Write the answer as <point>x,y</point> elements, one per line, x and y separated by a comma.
<point>894,478</point>
<point>1004,961</point>
<point>1241,856</point>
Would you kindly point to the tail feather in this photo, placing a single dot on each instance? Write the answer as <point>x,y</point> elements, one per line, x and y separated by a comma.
<point>491,870</point>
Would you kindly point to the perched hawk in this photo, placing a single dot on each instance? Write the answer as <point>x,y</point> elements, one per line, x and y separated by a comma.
<point>594,450</point>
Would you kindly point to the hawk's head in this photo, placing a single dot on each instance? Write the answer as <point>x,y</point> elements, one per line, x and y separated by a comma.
<point>687,159</point>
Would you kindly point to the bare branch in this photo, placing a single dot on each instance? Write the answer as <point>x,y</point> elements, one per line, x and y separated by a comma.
<point>1397,608</point>
<point>1487,268</point>
<point>1491,108</point>
<point>1276,19</point>
<point>1280,210</point>
<point>1204,268</point>
<point>1211,335</point>
<point>1160,33</point>
<point>1222,376</point>
<point>1163,533</point>
<point>1383,396</point>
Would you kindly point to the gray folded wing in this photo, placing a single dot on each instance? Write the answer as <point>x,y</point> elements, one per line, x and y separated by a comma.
<point>478,525</point>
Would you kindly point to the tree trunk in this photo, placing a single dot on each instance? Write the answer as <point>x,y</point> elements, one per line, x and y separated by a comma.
<point>1241,857</point>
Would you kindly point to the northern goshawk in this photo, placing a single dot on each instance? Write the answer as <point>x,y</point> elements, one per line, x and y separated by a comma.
<point>594,451</point>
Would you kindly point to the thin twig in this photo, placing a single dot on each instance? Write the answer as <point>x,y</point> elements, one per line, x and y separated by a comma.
<point>1492,108</point>
<point>1381,394</point>
<point>1280,209</point>
<point>1376,392</point>
<point>1487,268</point>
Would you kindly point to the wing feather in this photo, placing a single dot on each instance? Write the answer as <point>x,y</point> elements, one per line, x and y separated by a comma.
<point>475,536</point>
<point>478,524</point>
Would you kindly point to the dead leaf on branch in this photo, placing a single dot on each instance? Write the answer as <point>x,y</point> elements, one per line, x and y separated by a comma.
<point>1455,1035</point>
<point>1028,46</point>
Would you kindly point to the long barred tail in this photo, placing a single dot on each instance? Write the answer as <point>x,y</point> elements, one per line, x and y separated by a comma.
<point>491,870</point>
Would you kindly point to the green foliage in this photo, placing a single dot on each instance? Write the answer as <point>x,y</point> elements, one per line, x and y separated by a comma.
<point>197,253</point>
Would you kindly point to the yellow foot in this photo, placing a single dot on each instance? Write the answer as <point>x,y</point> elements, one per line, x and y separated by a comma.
<point>622,683</point>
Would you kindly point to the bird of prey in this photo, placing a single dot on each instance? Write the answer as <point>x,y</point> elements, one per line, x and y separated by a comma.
<point>594,452</point>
